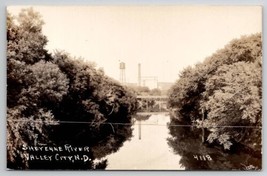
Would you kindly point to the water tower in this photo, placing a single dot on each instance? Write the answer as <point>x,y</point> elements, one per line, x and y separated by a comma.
<point>122,73</point>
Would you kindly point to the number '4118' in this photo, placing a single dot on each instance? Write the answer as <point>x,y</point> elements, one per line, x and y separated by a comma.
<point>203,157</point>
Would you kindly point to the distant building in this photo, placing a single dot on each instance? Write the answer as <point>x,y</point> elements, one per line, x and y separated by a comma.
<point>131,84</point>
<point>164,86</point>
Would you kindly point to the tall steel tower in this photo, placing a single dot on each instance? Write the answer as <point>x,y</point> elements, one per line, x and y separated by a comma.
<point>122,73</point>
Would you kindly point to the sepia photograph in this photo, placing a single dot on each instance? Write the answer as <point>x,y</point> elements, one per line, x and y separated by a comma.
<point>134,87</point>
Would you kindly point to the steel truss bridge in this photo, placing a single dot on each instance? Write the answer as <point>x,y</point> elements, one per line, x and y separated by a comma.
<point>150,104</point>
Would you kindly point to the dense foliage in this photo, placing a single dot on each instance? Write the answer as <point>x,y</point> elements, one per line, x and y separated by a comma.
<point>186,141</point>
<point>57,99</point>
<point>224,94</point>
<point>145,91</point>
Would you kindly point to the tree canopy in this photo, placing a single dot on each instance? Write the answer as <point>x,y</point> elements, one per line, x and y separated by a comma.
<point>225,89</point>
<point>56,99</point>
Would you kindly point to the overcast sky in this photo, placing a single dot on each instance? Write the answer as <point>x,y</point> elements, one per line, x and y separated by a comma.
<point>164,39</point>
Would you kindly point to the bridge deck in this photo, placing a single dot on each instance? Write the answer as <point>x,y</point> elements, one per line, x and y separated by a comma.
<point>152,97</point>
<point>152,113</point>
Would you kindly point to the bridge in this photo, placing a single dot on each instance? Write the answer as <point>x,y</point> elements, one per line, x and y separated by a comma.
<point>157,97</point>
<point>150,103</point>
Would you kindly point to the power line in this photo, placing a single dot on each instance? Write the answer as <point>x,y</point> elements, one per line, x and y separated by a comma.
<point>127,124</point>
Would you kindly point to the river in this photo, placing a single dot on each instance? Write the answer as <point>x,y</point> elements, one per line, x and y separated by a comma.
<point>148,148</point>
<point>159,143</point>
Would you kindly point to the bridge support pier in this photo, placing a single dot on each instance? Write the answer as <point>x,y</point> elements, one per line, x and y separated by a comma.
<point>139,128</point>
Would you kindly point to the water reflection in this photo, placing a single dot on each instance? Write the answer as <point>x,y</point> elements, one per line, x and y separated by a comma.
<point>148,148</point>
<point>196,155</point>
<point>101,140</point>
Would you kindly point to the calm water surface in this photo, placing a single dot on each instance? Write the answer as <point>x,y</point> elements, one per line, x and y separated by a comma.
<point>159,144</point>
<point>148,148</point>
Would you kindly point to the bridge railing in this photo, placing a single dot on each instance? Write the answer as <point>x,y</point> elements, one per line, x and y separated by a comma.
<point>152,103</point>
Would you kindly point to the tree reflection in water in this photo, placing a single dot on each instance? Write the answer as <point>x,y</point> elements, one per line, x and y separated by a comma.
<point>102,141</point>
<point>186,141</point>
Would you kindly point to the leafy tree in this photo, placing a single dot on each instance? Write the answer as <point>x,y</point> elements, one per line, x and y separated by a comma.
<point>139,90</point>
<point>155,92</point>
<point>27,119</point>
<point>235,101</point>
<point>225,90</point>
<point>186,142</point>
<point>92,98</point>
<point>57,99</point>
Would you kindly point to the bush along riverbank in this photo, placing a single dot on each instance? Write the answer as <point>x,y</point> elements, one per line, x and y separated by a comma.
<point>223,94</point>
<point>55,100</point>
